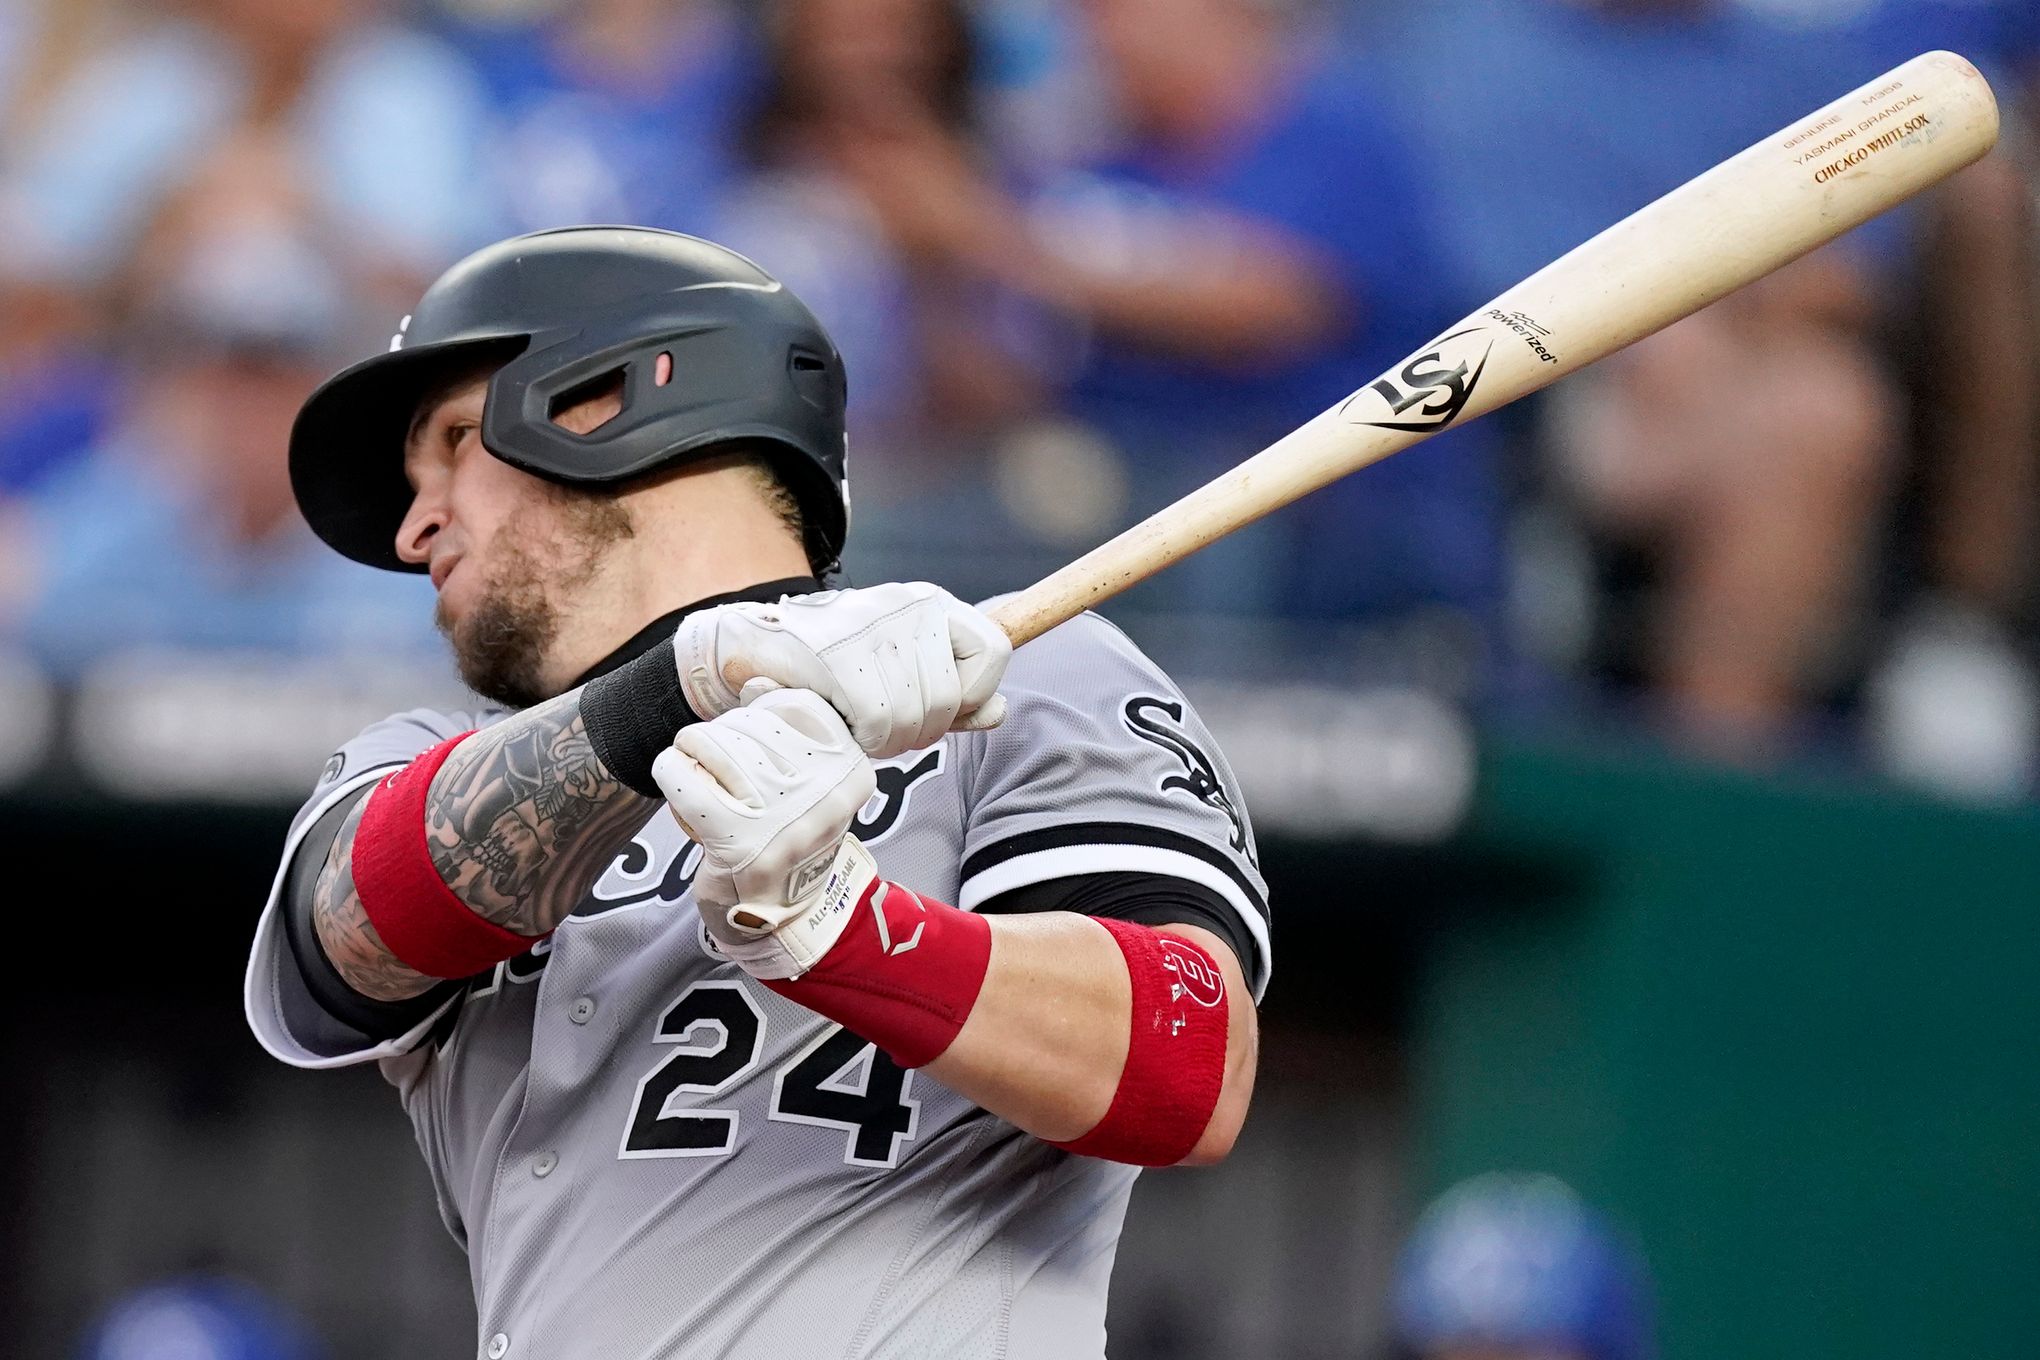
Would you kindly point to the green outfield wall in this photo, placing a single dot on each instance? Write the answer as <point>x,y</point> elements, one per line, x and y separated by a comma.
<point>1789,1032</point>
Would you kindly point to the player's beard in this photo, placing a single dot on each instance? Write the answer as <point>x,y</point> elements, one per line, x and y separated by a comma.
<point>503,644</point>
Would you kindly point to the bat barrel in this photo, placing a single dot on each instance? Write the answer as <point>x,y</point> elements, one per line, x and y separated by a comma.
<point>1794,191</point>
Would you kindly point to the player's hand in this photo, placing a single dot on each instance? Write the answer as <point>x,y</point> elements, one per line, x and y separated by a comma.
<point>769,791</point>
<point>902,663</point>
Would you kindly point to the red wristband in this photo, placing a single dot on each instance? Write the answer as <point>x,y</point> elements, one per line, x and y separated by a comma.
<point>904,974</point>
<point>416,915</point>
<point>1175,1052</point>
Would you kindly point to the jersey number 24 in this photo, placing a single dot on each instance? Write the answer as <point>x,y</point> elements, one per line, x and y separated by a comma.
<point>838,1081</point>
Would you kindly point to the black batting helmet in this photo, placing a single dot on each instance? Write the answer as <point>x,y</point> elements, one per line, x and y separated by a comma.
<point>559,310</point>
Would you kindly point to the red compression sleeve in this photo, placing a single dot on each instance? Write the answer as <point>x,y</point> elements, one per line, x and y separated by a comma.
<point>419,919</point>
<point>1175,1051</point>
<point>904,974</point>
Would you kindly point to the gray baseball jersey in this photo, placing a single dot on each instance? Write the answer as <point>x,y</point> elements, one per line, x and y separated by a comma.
<point>647,1154</point>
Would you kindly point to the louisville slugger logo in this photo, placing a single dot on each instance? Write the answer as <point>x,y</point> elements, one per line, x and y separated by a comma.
<point>1200,776</point>
<point>1429,391</point>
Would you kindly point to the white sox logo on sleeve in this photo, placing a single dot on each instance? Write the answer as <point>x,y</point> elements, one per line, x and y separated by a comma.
<point>1200,773</point>
<point>659,864</point>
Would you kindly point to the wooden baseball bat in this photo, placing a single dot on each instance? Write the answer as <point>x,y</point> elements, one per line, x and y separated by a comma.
<point>1868,151</point>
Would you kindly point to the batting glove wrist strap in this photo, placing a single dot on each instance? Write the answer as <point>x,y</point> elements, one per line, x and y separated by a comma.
<point>904,972</point>
<point>775,940</point>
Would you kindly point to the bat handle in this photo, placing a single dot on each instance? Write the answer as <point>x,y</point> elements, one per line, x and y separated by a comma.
<point>1053,600</point>
<point>1020,620</point>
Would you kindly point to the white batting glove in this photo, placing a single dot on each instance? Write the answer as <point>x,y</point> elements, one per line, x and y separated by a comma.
<point>769,791</point>
<point>902,663</point>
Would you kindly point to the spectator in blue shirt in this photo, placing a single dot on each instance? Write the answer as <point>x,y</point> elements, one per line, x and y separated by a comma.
<point>1254,250</point>
<point>384,122</point>
<point>55,388</point>
<point>2001,36</point>
<point>179,529</point>
<point>615,111</point>
<point>837,75</point>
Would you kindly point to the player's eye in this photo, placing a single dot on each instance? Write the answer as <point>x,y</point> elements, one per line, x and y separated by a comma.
<point>457,432</point>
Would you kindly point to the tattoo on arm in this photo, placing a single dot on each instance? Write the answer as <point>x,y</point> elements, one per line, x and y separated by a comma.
<point>521,820</point>
<point>344,930</point>
<point>521,826</point>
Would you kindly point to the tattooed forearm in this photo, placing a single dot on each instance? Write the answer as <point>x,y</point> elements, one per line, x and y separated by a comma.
<point>521,820</point>
<point>346,934</point>
<point>523,817</point>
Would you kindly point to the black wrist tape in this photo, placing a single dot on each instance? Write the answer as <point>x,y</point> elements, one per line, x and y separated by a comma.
<point>632,713</point>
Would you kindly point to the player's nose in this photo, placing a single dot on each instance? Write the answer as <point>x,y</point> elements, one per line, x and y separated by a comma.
<point>422,523</point>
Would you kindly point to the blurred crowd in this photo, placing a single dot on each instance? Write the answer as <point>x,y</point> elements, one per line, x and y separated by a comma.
<point>1081,255</point>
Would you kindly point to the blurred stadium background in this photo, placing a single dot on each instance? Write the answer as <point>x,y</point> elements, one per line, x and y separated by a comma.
<point>1646,776</point>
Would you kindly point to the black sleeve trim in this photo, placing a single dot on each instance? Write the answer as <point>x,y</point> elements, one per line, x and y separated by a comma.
<point>1112,833</point>
<point>1144,899</point>
<point>377,1020</point>
<point>631,714</point>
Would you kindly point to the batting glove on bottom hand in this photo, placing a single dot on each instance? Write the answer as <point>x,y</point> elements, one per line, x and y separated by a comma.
<point>769,792</point>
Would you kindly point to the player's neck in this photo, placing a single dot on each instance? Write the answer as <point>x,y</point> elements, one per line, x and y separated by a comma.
<point>719,540</point>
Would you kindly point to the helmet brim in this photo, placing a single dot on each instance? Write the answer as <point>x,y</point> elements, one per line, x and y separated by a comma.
<point>347,444</point>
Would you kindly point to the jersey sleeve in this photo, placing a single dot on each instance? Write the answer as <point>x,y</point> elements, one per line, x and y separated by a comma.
<point>1102,766</point>
<point>282,1007</point>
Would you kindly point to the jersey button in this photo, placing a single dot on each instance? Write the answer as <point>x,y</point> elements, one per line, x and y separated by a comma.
<point>499,1346</point>
<point>542,1166</point>
<point>582,1011</point>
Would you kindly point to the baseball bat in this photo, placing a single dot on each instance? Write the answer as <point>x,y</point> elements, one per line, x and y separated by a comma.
<point>1868,151</point>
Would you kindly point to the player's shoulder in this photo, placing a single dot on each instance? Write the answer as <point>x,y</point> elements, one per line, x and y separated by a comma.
<point>432,725</point>
<point>1088,652</point>
<point>396,739</point>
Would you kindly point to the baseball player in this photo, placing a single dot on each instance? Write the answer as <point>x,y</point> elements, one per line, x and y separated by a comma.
<point>767,971</point>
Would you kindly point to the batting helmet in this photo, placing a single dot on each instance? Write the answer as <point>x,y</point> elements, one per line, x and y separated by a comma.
<point>1518,1261</point>
<point>560,310</point>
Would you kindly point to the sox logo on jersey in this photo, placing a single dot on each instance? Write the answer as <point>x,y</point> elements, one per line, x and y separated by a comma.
<point>659,864</point>
<point>1200,774</point>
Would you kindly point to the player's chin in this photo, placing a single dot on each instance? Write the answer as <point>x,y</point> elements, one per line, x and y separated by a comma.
<point>446,615</point>
<point>501,641</point>
<point>456,602</point>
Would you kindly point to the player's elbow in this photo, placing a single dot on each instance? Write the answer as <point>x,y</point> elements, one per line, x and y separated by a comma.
<point>1236,1090</point>
<point>1215,1146</point>
<point>1222,1130</point>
